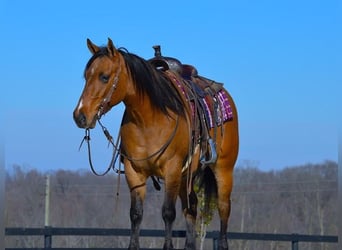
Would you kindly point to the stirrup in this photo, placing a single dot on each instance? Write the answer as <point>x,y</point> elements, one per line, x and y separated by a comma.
<point>213,153</point>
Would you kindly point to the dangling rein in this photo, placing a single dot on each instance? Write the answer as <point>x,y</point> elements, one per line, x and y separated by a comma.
<point>116,151</point>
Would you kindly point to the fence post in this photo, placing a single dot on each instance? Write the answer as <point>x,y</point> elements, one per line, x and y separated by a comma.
<point>47,234</point>
<point>47,237</point>
<point>215,243</point>
<point>47,201</point>
<point>294,245</point>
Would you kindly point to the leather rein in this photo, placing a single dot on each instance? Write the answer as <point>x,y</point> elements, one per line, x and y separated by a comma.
<point>104,107</point>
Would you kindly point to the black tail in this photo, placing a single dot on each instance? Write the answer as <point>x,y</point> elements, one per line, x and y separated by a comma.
<point>206,182</point>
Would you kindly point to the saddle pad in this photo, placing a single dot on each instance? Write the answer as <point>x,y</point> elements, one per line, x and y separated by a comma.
<point>223,110</point>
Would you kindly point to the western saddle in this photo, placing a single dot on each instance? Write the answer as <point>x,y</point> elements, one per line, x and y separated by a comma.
<point>198,89</point>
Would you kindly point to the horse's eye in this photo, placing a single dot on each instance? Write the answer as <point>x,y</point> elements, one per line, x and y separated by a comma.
<point>104,78</point>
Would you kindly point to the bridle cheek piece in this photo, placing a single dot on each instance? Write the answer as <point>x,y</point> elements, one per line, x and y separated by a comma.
<point>105,104</point>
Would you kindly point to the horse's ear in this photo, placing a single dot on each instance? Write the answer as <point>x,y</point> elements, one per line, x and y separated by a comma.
<point>92,47</point>
<point>110,47</point>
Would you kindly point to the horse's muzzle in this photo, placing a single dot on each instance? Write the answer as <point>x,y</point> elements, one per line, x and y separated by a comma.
<point>80,119</point>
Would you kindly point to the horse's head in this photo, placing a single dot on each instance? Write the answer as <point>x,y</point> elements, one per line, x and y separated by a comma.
<point>103,88</point>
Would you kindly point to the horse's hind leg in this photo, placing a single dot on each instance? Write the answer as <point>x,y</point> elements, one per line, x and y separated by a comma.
<point>223,171</point>
<point>224,179</point>
<point>172,186</point>
<point>189,206</point>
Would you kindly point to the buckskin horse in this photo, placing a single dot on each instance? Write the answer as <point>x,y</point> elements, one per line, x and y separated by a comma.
<point>177,126</point>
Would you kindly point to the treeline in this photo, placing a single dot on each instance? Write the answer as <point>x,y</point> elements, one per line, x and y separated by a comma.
<point>299,200</point>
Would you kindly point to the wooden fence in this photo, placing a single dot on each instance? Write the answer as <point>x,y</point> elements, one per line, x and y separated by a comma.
<point>49,232</point>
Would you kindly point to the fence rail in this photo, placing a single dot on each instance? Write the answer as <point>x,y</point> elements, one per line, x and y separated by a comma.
<point>48,232</point>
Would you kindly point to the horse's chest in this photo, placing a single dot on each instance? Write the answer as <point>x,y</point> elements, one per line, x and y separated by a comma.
<point>141,145</point>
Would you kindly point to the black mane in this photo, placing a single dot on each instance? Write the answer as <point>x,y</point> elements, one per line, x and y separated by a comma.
<point>149,80</point>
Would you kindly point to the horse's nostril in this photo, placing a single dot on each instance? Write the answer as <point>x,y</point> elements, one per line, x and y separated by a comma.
<point>80,120</point>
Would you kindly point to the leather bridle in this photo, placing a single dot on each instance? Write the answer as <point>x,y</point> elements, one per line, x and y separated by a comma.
<point>105,104</point>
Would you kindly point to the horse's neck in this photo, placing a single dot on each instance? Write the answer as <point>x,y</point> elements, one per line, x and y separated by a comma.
<point>140,112</point>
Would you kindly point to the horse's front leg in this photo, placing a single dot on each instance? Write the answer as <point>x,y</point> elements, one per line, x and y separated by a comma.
<point>137,186</point>
<point>136,215</point>
<point>169,215</point>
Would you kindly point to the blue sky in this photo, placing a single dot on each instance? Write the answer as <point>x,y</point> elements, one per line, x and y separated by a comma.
<point>281,61</point>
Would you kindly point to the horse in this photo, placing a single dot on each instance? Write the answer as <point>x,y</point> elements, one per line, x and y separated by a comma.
<point>158,137</point>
